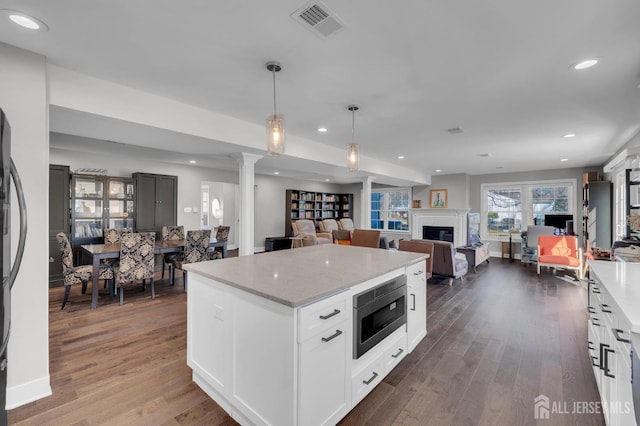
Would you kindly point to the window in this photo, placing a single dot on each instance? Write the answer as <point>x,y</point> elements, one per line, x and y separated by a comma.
<point>390,209</point>
<point>517,205</point>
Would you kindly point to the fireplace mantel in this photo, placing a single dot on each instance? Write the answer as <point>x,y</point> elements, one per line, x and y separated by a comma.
<point>457,218</point>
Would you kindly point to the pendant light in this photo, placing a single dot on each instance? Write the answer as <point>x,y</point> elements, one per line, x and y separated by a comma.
<point>275,121</point>
<point>353,149</point>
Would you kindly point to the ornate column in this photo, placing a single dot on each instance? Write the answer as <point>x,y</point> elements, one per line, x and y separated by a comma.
<point>365,203</point>
<point>246,215</point>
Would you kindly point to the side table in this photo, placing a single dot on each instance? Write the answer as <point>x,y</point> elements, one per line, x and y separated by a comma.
<point>475,254</point>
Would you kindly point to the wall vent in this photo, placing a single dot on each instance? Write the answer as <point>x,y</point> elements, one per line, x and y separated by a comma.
<point>318,18</point>
<point>455,130</point>
<point>88,171</point>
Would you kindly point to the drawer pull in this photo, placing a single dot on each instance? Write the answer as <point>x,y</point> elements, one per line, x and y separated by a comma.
<point>366,382</point>
<point>595,322</point>
<point>335,312</point>
<point>417,273</point>
<point>333,336</point>
<point>608,351</point>
<point>591,309</point>
<point>596,290</point>
<point>589,346</point>
<point>616,333</point>
<point>594,362</point>
<point>400,350</point>
<point>413,299</point>
<point>605,307</point>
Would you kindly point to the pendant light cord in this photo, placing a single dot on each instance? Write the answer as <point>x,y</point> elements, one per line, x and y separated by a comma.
<point>274,90</point>
<point>353,125</point>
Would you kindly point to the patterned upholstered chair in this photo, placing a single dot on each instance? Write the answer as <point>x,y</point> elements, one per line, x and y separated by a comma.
<point>196,250</point>
<point>77,274</point>
<point>112,236</point>
<point>171,233</point>
<point>136,261</point>
<point>222,234</point>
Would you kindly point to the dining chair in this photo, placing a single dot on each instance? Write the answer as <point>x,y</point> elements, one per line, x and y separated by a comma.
<point>196,250</point>
<point>365,238</point>
<point>171,233</point>
<point>222,234</point>
<point>113,235</point>
<point>77,274</point>
<point>136,261</point>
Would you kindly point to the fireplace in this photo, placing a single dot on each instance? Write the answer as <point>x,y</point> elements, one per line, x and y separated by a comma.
<point>455,219</point>
<point>441,233</point>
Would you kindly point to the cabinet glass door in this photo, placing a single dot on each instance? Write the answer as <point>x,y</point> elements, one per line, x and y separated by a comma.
<point>88,188</point>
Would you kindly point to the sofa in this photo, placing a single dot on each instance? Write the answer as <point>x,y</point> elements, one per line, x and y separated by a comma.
<point>446,263</point>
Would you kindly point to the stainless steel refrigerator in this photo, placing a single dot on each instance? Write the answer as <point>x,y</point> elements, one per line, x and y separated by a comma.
<point>7,171</point>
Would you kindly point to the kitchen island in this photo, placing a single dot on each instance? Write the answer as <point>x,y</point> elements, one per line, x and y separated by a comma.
<point>270,337</point>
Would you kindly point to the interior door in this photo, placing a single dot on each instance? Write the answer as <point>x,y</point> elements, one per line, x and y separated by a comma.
<point>167,208</point>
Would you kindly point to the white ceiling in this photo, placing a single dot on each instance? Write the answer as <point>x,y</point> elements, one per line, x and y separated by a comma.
<point>498,69</point>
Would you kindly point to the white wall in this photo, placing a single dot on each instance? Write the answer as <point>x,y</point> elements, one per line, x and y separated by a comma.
<point>270,203</point>
<point>23,97</point>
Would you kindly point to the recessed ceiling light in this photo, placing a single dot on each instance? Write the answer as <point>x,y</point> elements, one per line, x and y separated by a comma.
<point>322,129</point>
<point>500,167</point>
<point>569,135</point>
<point>25,21</point>
<point>564,159</point>
<point>438,170</point>
<point>327,180</point>
<point>276,173</point>
<point>486,154</point>
<point>400,157</point>
<point>193,161</point>
<point>585,64</point>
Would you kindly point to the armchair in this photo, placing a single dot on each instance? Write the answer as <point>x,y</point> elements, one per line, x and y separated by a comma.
<point>328,225</point>
<point>445,261</point>
<point>346,224</point>
<point>560,251</point>
<point>307,230</point>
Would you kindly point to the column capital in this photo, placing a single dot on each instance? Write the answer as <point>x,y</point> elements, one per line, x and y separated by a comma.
<point>245,158</point>
<point>368,179</point>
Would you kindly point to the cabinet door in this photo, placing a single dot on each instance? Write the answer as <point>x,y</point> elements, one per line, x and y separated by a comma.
<point>166,197</point>
<point>416,304</point>
<point>145,202</point>
<point>58,217</point>
<point>324,376</point>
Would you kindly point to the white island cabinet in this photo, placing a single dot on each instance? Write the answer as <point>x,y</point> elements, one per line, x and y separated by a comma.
<point>614,323</point>
<point>270,337</point>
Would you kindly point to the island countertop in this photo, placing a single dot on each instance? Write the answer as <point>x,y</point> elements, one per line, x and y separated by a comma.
<point>621,279</point>
<point>299,276</point>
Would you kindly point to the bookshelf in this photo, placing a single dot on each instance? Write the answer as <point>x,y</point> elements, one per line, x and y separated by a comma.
<point>315,206</point>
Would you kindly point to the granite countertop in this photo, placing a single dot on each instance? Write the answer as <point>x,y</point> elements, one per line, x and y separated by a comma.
<point>299,276</point>
<point>622,281</point>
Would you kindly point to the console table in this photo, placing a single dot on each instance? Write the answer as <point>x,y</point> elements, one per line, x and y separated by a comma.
<point>475,254</point>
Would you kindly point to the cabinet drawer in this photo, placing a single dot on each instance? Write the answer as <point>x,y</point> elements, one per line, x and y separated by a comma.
<point>366,379</point>
<point>416,270</point>
<point>395,352</point>
<point>323,315</point>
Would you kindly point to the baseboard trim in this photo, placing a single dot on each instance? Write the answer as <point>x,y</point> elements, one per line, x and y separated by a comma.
<point>25,393</point>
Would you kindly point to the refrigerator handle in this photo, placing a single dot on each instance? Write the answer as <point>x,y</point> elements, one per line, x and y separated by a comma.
<point>23,224</point>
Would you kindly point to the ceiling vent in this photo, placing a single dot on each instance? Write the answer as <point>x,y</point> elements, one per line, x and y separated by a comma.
<point>317,18</point>
<point>455,130</point>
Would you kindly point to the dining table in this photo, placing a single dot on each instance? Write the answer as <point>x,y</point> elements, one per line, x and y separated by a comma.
<point>98,252</point>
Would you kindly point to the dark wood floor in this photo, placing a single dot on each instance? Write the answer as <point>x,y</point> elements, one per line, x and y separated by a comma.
<point>494,343</point>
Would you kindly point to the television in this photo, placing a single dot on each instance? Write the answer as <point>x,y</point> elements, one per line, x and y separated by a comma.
<point>473,229</point>
<point>558,220</point>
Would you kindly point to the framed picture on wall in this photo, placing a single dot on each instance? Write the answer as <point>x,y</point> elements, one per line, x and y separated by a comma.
<point>438,198</point>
